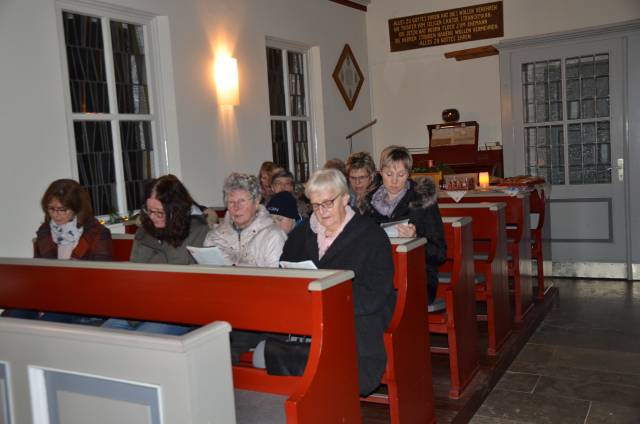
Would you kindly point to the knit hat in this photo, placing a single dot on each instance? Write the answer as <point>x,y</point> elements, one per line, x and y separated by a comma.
<point>283,204</point>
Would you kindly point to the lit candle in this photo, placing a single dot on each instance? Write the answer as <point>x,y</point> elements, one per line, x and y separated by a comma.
<point>483,179</point>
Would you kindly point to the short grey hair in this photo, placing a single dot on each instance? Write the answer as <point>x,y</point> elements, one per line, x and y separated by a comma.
<point>361,160</point>
<point>236,181</point>
<point>396,154</point>
<point>330,180</point>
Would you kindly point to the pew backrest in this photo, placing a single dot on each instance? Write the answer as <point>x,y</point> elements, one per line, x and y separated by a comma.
<point>64,373</point>
<point>122,244</point>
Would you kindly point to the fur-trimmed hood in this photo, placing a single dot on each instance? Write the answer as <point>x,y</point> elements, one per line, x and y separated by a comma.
<point>425,189</point>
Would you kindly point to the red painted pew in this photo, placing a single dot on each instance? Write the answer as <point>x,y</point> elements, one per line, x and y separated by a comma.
<point>518,243</point>
<point>458,320</point>
<point>408,371</point>
<point>490,261</point>
<point>538,205</point>
<point>121,246</point>
<point>315,303</point>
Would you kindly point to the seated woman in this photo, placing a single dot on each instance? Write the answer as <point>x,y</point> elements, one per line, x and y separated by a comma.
<point>69,231</point>
<point>168,227</point>
<point>168,224</point>
<point>284,211</point>
<point>399,198</point>
<point>360,171</point>
<point>247,236</point>
<point>265,174</point>
<point>335,237</point>
<point>282,180</point>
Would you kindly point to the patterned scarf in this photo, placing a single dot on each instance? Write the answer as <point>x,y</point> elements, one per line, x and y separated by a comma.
<point>380,200</point>
<point>66,234</point>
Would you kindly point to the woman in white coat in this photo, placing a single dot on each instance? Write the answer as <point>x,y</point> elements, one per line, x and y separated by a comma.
<point>248,236</point>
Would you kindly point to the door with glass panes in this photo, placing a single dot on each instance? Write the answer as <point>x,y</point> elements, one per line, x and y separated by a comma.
<point>567,106</point>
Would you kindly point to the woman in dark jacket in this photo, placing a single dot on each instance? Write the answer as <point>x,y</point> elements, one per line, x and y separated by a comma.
<point>399,198</point>
<point>335,237</point>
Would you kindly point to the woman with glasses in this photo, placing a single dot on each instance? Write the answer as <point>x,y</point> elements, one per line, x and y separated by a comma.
<point>361,171</point>
<point>335,237</point>
<point>69,231</point>
<point>247,236</point>
<point>398,198</point>
<point>168,225</point>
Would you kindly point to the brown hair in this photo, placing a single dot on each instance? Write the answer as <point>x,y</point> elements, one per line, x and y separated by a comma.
<point>176,202</point>
<point>72,196</point>
<point>361,160</point>
<point>337,164</point>
<point>267,167</point>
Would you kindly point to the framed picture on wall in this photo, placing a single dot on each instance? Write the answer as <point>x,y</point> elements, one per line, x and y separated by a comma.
<point>348,77</point>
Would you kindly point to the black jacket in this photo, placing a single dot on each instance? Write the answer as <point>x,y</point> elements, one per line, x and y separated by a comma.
<point>420,206</point>
<point>364,248</point>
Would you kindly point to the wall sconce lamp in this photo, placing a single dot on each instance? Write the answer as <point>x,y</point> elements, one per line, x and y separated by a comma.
<point>483,179</point>
<point>226,76</point>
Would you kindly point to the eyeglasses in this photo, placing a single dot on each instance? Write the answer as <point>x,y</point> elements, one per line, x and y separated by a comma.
<point>326,205</point>
<point>359,179</point>
<point>150,212</point>
<point>53,210</point>
<point>240,203</point>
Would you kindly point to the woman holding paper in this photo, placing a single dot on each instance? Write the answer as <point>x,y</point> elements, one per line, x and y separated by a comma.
<point>336,237</point>
<point>168,225</point>
<point>399,199</point>
<point>247,236</point>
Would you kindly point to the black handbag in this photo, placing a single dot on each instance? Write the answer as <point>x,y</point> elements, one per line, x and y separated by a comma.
<point>283,357</point>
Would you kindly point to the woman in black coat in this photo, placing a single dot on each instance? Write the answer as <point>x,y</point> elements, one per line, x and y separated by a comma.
<point>335,237</point>
<point>399,198</point>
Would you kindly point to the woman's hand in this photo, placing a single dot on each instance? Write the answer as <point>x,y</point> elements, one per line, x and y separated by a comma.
<point>406,230</point>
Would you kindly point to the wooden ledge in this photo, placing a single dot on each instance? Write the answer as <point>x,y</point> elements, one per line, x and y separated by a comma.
<point>473,53</point>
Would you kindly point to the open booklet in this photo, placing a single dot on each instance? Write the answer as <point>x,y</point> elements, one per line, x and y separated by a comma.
<point>298,265</point>
<point>208,255</point>
<point>391,229</point>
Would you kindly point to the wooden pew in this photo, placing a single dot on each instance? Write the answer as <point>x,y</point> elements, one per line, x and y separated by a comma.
<point>518,242</point>
<point>314,303</point>
<point>121,246</point>
<point>538,206</point>
<point>408,371</point>
<point>490,261</point>
<point>458,321</point>
<point>54,372</point>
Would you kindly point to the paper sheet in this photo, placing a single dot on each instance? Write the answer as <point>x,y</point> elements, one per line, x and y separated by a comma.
<point>207,255</point>
<point>298,265</point>
<point>391,229</point>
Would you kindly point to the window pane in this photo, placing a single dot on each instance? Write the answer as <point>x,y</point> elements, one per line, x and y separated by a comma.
<point>85,62</point>
<point>297,90</point>
<point>94,154</point>
<point>130,70</point>
<point>279,146</point>
<point>300,150</point>
<point>275,73</point>
<point>136,160</point>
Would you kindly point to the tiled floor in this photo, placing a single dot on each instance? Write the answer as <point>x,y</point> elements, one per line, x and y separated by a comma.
<point>581,366</point>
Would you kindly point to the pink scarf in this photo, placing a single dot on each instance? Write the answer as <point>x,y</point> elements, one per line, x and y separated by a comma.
<point>325,241</point>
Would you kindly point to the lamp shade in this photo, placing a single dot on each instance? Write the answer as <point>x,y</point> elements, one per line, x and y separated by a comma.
<point>226,76</point>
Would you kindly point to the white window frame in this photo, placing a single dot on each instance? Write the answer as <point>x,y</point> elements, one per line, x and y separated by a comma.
<point>312,148</point>
<point>155,116</point>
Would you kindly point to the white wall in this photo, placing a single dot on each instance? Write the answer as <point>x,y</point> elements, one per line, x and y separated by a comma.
<point>411,88</point>
<point>210,142</point>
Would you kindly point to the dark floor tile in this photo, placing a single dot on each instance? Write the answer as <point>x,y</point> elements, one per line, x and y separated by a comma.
<point>599,360</point>
<point>587,338</point>
<point>590,376</point>
<point>608,393</point>
<point>539,409</point>
<point>605,413</point>
<point>478,419</point>
<point>518,382</point>
<point>533,358</point>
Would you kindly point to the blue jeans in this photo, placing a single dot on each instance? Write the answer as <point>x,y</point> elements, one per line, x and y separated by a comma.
<point>148,326</point>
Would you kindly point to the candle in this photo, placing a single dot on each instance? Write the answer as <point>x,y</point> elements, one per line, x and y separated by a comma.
<point>483,179</point>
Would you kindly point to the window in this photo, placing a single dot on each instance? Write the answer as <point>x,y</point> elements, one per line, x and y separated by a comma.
<point>581,111</point>
<point>110,108</point>
<point>289,109</point>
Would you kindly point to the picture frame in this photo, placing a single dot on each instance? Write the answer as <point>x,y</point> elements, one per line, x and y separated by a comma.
<point>348,77</point>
